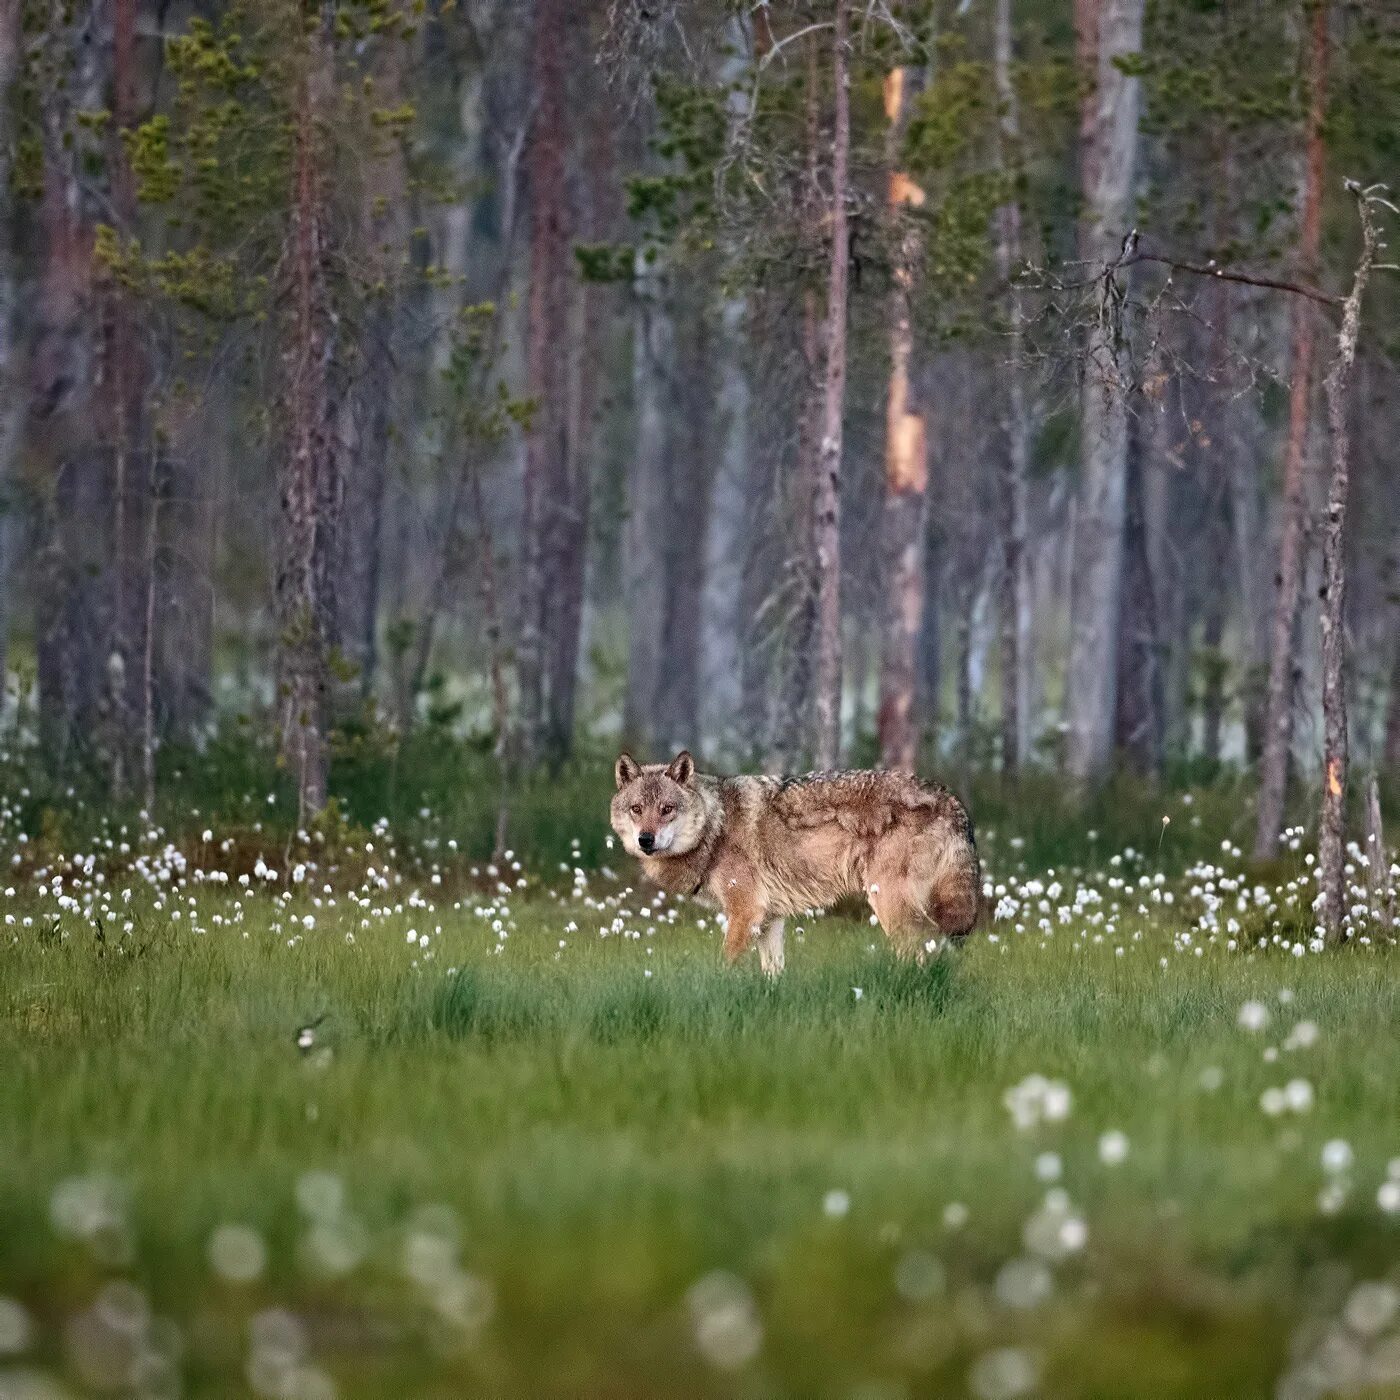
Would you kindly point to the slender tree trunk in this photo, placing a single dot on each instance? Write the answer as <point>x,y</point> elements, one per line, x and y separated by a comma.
<point>791,737</point>
<point>1096,590</point>
<point>132,487</point>
<point>684,547</point>
<point>495,639</point>
<point>827,534</point>
<point>309,486</point>
<point>1013,614</point>
<point>963,686</point>
<point>1331,854</point>
<point>1138,722</point>
<point>653,377</point>
<point>736,513</point>
<point>929,700</point>
<point>1392,714</point>
<point>74,605</point>
<point>1212,645</point>
<point>564,629</point>
<point>762,565</point>
<point>413,677</point>
<point>546,508</point>
<point>903,527</point>
<point>1378,890</point>
<point>1241,467</point>
<point>382,231</point>
<point>1278,700</point>
<point>11,392</point>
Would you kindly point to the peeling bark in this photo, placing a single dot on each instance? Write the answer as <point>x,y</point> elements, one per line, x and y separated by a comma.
<point>903,526</point>
<point>1331,855</point>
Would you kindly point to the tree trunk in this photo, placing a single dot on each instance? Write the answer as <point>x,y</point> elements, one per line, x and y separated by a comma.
<point>826,546</point>
<point>1392,714</point>
<point>74,604</point>
<point>1331,853</point>
<point>564,630</point>
<point>1278,700</point>
<point>1212,647</point>
<point>791,738</point>
<point>1138,723</point>
<point>929,698</point>
<point>1377,860</point>
<point>653,370</point>
<point>123,399</point>
<point>1013,614</point>
<point>684,546</point>
<point>903,527</point>
<point>11,391</point>
<point>737,511</point>
<point>310,489</point>
<point>547,510</point>
<point>382,231</point>
<point>1096,590</point>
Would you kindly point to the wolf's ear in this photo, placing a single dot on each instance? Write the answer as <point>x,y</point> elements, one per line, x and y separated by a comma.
<point>625,769</point>
<point>682,768</point>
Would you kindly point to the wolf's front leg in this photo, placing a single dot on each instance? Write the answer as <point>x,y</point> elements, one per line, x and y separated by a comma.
<point>770,948</point>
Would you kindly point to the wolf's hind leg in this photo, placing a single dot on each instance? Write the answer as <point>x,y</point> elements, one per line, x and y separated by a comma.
<point>770,948</point>
<point>743,920</point>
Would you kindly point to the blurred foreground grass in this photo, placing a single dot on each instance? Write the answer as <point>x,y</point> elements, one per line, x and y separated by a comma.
<point>244,1154</point>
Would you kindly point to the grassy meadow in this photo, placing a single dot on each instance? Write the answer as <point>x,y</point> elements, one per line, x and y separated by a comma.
<point>357,1115</point>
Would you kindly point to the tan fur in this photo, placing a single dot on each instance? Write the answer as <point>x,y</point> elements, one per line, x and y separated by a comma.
<point>764,848</point>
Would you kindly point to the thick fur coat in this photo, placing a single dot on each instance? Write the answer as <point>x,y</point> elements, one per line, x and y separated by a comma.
<point>764,848</point>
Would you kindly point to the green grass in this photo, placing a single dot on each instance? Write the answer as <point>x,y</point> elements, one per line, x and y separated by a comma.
<point>605,1139</point>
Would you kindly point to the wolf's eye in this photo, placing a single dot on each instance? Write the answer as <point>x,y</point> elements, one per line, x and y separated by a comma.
<point>667,809</point>
<point>637,809</point>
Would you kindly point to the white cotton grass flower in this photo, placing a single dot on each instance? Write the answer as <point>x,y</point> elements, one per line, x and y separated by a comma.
<point>919,1276</point>
<point>1388,1196</point>
<point>1113,1147</point>
<point>955,1215</point>
<point>724,1318</point>
<point>1054,1230</point>
<point>1048,1166</point>
<point>1302,1037</point>
<point>836,1204</point>
<point>1253,1016</point>
<point>1023,1283</point>
<point>92,1209</point>
<point>320,1194</point>
<point>16,1330</point>
<point>1371,1307</point>
<point>1037,1100</point>
<point>237,1253</point>
<point>1294,1097</point>
<point>1337,1156</point>
<point>1004,1374</point>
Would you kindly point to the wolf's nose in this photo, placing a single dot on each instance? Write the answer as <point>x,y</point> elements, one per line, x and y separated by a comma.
<point>646,840</point>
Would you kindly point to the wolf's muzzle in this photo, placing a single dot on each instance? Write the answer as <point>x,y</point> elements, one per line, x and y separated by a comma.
<point>646,840</point>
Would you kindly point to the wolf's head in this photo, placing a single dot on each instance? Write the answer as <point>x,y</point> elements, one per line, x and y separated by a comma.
<point>657,809</point>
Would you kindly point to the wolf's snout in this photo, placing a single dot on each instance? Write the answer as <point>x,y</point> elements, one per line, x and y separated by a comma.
<point>646,840</point>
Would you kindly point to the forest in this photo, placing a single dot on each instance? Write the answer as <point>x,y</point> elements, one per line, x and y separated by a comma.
<point>995,387</point>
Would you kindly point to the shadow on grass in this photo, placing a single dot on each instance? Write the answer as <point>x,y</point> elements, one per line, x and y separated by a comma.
<point>693,1005</point>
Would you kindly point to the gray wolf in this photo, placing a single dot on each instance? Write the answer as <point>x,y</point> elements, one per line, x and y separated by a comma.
<point>764,848</point>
